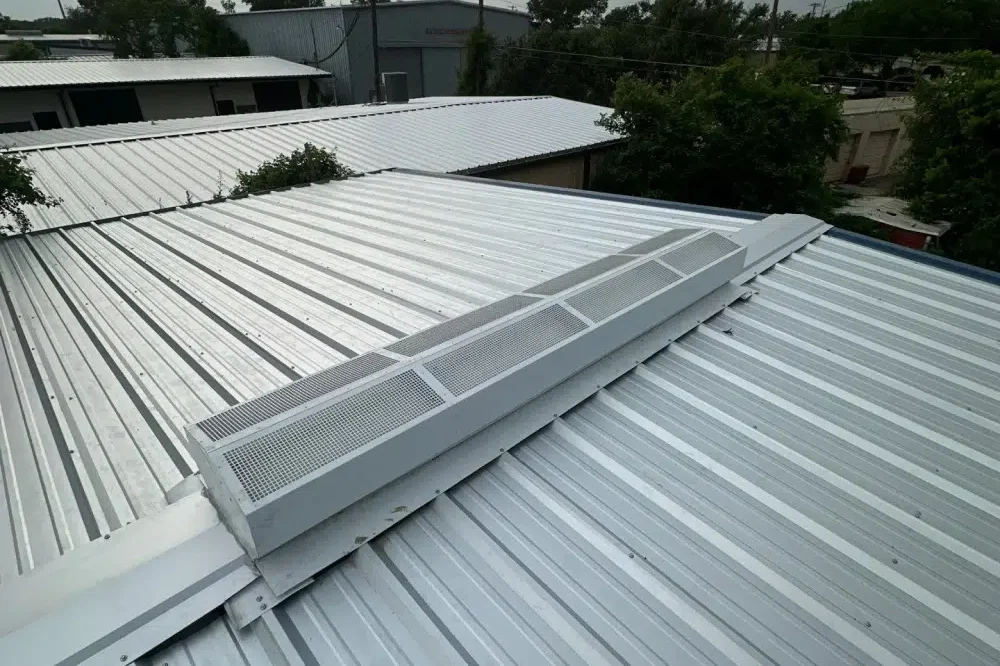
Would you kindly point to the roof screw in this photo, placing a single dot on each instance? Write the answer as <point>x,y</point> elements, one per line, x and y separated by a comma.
<point>895,561</point>
<point>868,624</point>
<point>124,657</point>
<point>107,536</point>
<point>631,555</point>
<point>917,514</point>
<point>263,606</point>
<point>259,598</point>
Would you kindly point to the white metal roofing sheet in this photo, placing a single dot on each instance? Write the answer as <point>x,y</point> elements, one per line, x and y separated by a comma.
<point>24,74</point>
<point>174,126</point>
<point>810,477</point>
<point>115,178</point>
<point>116,335</point>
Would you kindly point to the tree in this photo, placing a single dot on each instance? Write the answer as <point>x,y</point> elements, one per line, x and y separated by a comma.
<point>585,62</point>
<point>303,166</point>
<point>211,36</point>
<point>17,190</point>
<point>952,169</point>
<point>734,137</point>
<point>562,14</point>
<point>478,62</point>
<point>262,5</point>
<point>22,50</point>
<point>228,6</point>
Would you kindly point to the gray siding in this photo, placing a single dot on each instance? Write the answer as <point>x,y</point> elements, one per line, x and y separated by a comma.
<point>289,35</point>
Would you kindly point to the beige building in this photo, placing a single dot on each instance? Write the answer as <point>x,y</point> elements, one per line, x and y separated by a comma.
<point>50,94</point>
<point>877,137</point>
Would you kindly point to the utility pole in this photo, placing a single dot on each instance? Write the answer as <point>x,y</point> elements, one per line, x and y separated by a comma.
<point>815,6</point>
<point>771,27</point>
<point>63,11</point>
<point>378,87</point>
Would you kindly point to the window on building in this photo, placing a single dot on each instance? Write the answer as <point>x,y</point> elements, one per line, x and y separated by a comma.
<point>225,107</point>
<point>47,120</point>
<point>15,127</point>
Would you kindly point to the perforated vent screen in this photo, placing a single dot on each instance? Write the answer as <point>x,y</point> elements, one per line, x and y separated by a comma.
<point>699,253</point>
<point>287,454</point>
<point>579,275</point>
<point>656,242</point>
<point>260,409</point>
<point>432,337</point>
<point>481,360</point>
<point>611,296</point>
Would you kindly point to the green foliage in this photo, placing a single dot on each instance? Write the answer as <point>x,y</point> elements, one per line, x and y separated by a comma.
<point>478,62</point>
<point>47,24</point>
<point>211,36</point>
<point>303,166</point>
<point>563,14</point>
<point>952,169</point>
<point>22,50</point>
<point>585,62</point>
<point>734,137</point>
<point>877,32</point>
<point>228,6</point>
<point>147,28</point>
<point>262,5</point>
<point>17,190</point>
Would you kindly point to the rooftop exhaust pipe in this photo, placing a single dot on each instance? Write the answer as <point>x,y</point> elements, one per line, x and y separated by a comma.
<point>280,464</point>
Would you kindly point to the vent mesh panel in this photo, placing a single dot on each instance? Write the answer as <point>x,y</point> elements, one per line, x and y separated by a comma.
<point>260,409</point>
<point>611,296</point>
<point>287,454</point>
<point>656,242</point>
<point>579,275</point>
<point>698,254</point>
<point>432,337</point>
<point>480,360</point>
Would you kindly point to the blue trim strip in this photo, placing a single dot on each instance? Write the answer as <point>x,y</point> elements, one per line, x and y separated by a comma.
<point>926,258</point>
<point>590,194</point>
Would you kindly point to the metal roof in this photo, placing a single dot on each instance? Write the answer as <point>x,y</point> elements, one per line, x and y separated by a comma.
<point>32,36</point>
<point>66,136</point>
<point>119,334</point>
<point>810,477</point>
<point>116,178</point>
<point>27,74</point>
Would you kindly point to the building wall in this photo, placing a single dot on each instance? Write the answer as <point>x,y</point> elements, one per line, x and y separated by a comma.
<point>182,100</point>
<point>876,137</point>
<point>18,106</point>
<point>300,36</point>
<point>565,171</point>
<point>240,92</point>
<point>424,39</point>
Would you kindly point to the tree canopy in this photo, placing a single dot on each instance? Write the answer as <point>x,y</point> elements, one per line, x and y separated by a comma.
<point>262,5</point>
<point>562,14</point>
<point>17,189</point>
<point>306,165</point>
<point>147,28</point>
<point>733,136</point>
<point>952,169</point>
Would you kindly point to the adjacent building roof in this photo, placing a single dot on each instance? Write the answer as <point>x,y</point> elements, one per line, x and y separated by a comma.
<point>115,177</point>
<point>24,75</point>
<point>38,37</point>
<point>808,477</point>
<point>878,105</point>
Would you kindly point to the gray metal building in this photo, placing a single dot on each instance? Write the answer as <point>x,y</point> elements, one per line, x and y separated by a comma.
<point>424,38</point>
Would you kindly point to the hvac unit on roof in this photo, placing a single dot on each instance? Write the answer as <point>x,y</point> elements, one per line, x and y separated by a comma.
<point>280,464</point>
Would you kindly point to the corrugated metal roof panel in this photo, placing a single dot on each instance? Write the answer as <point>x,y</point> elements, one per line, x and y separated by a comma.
<point>25,74</point>
<point>111,179</point>
<point>117,335</point>
<point>810,477</point>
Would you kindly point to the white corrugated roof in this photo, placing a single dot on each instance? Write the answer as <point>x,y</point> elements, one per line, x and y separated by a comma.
<point>28,36</point>
<point>808,477</point>
<point>19,75</point>
<point>112,178</point>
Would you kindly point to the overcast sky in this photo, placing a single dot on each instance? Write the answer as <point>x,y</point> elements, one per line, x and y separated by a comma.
<point>29,9</point>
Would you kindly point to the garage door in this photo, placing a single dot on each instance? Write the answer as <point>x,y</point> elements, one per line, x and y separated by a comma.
<point>877,150</point>
<point>836,170</point>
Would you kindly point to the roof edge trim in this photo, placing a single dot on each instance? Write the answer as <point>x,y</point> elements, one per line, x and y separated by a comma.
<point>926,258</point>
<point>590,194</point>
